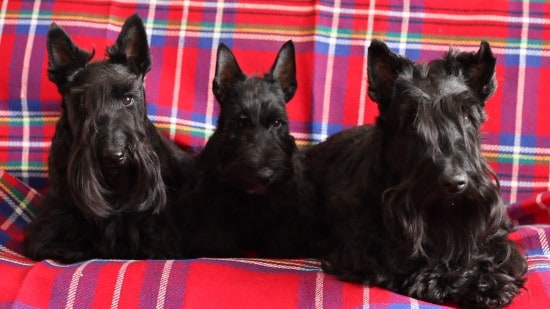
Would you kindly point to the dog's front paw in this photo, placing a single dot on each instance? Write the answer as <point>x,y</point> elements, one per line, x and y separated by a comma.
<point>493,290</point>
<point>438,284</point>
<point>470,288</point>
<point>351,262</point>
<point>61,255</point>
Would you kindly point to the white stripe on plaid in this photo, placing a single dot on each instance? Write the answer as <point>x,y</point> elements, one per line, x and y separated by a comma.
<point>524,149</point>
<point>539,263</point>
<point>519,103</point>
<point>366,296</point>
<point>330,69</point>
<point>406,12</point>
<point>414,303</point>
<point>299,265</point>
<point>542,238</point>
<point>18,207</point>
<point>25,144</point>
<point>364,74</point>
<point>118,284</point>
<point>18,212</point>
<point>467,16</point>
<point>164,283</point>
<point>177,79</point>
<point>216,36</point>
<point>533,50</point>
<point>3,10</point>
<point>16,174</point>
<point>523,184</point>
<point>31,114</point>
<point>25,88</point>
<point>183,122</point>
<point>150,18</point>
<point>73,287</point>
<point>319,286</point>
<point>8,255</point>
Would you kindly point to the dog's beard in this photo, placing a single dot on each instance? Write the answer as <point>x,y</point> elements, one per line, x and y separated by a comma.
<point>239,169</point>
<point>135,185</point>
<point>242,178</point>
<point>436,225</point>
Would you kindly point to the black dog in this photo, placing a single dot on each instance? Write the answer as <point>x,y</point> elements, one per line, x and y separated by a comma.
<point>249,189</point>
<point>411,202</point>
<point>111,172</point>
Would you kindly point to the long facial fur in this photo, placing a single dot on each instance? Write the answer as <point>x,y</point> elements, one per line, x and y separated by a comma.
<point>394,220</point>
<point>246,138</point>
<point>92,107</point>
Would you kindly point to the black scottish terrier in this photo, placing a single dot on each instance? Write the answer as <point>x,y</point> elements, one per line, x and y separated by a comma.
<point>247,199</point>
<point>412,204</point>
<point>112,174</point>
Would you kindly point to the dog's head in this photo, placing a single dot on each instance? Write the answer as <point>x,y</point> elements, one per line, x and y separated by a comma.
<point>430,116</point>
<point>111,167</point>
<point>253,145</point>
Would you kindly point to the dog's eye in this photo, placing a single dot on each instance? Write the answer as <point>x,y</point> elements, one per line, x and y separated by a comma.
<point>276,123</point>
<point>466,121</point>
<point>128,100</point>
<point>241,122</point>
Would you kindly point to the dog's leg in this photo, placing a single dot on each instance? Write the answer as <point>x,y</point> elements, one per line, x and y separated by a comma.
<point>58,234</point>
<point>491,280</point>
<point>498,274</point>
<point>438,283</point>
<point>357,260</point>
<point>213,241</point>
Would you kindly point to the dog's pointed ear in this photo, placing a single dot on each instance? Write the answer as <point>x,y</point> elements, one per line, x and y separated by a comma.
<point>283,70</point>
<point>227,74</point>
<point>131,47</point>
<point>479,70</point>
<point>383,68</point>
<point>64,57</point>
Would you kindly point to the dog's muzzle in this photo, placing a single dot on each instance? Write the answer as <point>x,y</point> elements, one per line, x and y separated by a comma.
<point>113,149</point>
<point>454,183</point>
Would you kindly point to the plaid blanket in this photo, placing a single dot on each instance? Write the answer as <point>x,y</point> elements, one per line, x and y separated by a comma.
<point>218,283</point>
<point>331,39</point>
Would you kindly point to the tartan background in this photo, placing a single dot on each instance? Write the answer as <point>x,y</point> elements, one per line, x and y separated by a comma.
<point>331,39</point>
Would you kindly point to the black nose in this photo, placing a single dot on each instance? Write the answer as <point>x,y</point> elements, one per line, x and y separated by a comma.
<point>112,157</point>
<point>454,184</point>
<point>265,175</point>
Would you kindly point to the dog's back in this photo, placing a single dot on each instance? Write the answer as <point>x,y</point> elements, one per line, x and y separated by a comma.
<point>340,153</point>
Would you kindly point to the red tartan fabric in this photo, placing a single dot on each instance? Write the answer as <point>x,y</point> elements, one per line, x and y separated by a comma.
<point>218,283</point>
<point>331,39</point>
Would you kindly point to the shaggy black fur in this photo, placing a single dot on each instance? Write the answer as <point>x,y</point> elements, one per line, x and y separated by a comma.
<point>112,174</point>
<point>412,205</point>
<point>249,190</point>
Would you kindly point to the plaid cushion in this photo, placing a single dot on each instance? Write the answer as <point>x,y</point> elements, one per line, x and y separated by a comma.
<point>214,283</point>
